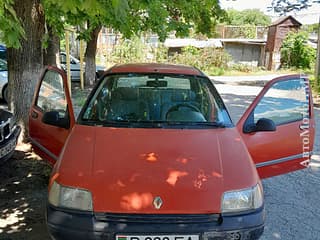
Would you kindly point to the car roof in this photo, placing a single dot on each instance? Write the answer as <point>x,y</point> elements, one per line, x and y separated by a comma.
<point>155,68</point>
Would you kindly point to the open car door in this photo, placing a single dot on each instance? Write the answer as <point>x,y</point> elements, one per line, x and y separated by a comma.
<point>51,115</point>
<point>278,127</point>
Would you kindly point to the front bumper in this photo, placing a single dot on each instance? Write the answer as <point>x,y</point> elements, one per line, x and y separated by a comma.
<point>7,146</point>
<point>64,224</point>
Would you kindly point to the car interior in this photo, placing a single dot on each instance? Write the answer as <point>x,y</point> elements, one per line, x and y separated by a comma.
<point>152,101</point>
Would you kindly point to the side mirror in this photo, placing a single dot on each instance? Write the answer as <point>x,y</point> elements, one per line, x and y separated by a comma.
<point>53,118</point>
<point>263,125</point>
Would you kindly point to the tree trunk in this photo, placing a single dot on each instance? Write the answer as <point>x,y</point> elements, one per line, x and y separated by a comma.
<point>25,64</point>
<point>90,57</point>
<point>51,53</point>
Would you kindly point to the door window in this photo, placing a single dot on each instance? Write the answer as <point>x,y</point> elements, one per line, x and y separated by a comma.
<point>51,94</point>
<point>285,102</point>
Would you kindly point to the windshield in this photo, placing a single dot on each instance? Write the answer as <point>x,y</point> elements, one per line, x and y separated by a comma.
<point>155,100</point>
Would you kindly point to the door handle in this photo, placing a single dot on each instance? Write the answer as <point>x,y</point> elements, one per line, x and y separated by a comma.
<point>34,115</point>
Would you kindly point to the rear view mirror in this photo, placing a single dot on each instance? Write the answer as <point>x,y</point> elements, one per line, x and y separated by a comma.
<point>157,83</point>
<point>262,125</point>
<point>53,118</point>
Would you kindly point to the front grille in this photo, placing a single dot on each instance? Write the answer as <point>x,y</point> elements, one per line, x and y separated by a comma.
<point>5,130</point>
<point>159,218</point>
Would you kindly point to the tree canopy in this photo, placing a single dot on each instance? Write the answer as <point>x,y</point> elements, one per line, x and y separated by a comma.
<point>285,6</point>
<point>11,30</point>
<point>135,16</point>
<point>18,23</point>
<point>247,17</point>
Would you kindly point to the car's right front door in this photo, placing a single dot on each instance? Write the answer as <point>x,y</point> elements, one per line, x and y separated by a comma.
<point>278,128</point>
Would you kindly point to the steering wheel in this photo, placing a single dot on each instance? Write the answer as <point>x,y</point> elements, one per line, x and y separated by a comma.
<point>180,105</point>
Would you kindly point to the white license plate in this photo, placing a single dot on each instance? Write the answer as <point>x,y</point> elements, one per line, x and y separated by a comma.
<point>157,237</point>
<point>8,148</point>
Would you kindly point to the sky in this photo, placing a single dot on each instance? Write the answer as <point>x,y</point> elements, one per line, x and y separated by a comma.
<point>306,17</point>
<point>244,4</point>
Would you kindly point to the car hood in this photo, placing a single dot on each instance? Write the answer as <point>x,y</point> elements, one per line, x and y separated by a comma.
<point>126,169</point>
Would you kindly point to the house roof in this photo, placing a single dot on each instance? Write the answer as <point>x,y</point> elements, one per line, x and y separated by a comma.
<point>244,41</point>
<point>214,43</point>
<point>285,18</point>
<point>185,42</point>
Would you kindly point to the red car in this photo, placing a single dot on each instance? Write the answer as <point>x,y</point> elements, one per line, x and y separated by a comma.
<point>154,154</point>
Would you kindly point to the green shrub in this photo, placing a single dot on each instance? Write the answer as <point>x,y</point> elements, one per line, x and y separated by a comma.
<point>240,67</point>
<point>209,60</point>
<point>206,59</point>
<point>295,51</point>
<point>128,51</point>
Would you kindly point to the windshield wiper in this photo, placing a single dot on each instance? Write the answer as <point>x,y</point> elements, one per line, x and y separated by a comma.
<point>155,124</point>
<point>133,124</point>
<point>197,124</point>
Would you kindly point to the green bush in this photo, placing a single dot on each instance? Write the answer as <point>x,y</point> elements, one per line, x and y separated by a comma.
<point>206,59</point>
<point>128,51</point>
<point>295,51</point>
<point>210,60</point>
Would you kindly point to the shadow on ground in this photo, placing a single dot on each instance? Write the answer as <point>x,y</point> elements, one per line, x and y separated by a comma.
<point>23,193</point>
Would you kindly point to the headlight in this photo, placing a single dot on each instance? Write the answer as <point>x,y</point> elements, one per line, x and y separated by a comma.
<point>68,197</point>
<point>242,200</point>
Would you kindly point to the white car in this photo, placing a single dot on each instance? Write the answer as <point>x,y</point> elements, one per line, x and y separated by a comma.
<point>75,67</point>
<point>3,80</point>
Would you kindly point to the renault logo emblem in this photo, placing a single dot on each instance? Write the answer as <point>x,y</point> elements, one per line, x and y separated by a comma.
<point>157,202</point>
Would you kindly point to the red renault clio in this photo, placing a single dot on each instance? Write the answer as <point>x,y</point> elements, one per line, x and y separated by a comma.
<point>154,155</point>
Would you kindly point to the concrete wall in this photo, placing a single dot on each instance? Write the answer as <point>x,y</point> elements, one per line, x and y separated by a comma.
<point>250,54</point>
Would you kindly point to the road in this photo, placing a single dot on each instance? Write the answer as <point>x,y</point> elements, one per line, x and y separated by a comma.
<point>292,201</point>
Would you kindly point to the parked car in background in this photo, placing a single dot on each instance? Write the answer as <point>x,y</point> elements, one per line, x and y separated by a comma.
<point>3,52</point>
<point>3,80</point>
<point>75,67</point>
<point>154,154</point>
<point>9,133</point>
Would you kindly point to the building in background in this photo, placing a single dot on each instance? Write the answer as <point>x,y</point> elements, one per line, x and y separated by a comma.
<point>278,31</point>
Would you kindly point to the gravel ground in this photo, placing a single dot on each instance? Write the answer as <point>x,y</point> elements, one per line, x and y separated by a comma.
<point>291,200</point>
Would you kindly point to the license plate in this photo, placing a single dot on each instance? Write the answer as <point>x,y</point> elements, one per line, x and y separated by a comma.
<point>157,237</point>
<point>7,148</point>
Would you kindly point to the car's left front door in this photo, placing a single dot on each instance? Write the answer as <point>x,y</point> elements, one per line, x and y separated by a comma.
<point>51,103</point>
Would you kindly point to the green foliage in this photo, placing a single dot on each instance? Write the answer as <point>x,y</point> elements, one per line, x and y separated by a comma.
<point>131,17</point>
<point>251,17</point>
<point>129,51</point>
<point>10,25</point>
<point>243,68</point>
<point>206,59</point>
<point>210,60</point>
<point>295,52</point>
<point>286,6</point>
<point>311,28</point>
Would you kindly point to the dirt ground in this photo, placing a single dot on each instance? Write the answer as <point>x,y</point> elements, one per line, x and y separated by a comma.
<point>23,189</point>
<point>23,194</point>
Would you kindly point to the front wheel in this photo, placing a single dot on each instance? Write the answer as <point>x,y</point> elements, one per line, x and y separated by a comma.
<point>5,94</point>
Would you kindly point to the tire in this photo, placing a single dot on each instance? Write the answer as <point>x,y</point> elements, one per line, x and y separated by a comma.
<point>5,94</point>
